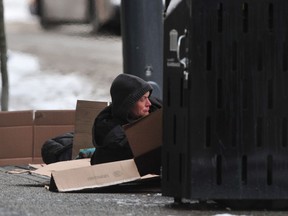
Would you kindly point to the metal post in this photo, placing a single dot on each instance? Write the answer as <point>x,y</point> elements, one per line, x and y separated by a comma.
<point>142,36</point>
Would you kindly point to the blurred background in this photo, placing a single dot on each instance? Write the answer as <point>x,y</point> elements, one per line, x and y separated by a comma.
<point>53,63</point>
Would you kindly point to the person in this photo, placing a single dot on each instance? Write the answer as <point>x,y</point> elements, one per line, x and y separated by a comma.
<point>131,100</point>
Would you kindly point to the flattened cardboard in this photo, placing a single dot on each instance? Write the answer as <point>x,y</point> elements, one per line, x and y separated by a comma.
<point>49,124</point>
<point>22,133</point>
<point>54,117</point>
<point>16,142</point>
<point>15,161</point>
<point>16,137</point>
<point>16,118</point>
<point>43,133</point>
<point>47,170</point>
<point>114,173</point>
<point>94,176</point>
<point>86,112</point>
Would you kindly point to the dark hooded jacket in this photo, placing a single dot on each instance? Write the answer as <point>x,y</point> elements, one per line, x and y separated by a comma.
<point>108,134</point>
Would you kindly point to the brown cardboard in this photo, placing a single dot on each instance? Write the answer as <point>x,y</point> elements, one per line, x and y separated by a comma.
<point>15,161</point>
<point>16,137</point>
<point>54,117</point>
<point>16,142</point>
<point>46,170</point>
<point>86,112</point>
<point>135,132</point>
<point>95,176</point>
<point>16,118</point>
<point>22,133</point>
<point>145,139</point>
<point>49,124</point>
<point>44,133</point>
<point>114,173</point>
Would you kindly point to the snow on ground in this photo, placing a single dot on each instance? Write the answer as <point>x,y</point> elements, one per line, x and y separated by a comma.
<point>25,75</point>
<point>16,10</point>
<point>32,89</point>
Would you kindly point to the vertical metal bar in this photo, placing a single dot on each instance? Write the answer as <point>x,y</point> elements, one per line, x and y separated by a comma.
<point>142,36</point>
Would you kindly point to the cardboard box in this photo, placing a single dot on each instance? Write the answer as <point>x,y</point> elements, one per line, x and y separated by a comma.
<point>49,124</point>
<point>16,137</point>
<point>86,112</point>
<point>147,161</point>
<point>145,137</point>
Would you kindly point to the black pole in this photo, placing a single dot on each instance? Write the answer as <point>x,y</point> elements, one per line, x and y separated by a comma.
<point>3,62</point>
<point>142,36</point>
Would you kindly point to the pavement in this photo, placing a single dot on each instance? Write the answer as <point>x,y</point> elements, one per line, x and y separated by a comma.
<point>25,194</point>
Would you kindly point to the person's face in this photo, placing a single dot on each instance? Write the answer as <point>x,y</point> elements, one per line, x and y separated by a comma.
<point>141,107</point>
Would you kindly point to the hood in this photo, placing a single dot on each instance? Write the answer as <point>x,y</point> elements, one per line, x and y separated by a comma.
<point>125,91</point>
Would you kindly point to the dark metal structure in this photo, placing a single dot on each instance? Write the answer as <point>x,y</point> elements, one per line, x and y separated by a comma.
<point>226,100</point>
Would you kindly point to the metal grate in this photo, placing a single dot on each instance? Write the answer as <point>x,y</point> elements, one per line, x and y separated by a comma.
<point>225,136</point>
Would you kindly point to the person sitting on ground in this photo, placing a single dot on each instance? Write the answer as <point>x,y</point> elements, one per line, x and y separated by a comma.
<point>131,100</point>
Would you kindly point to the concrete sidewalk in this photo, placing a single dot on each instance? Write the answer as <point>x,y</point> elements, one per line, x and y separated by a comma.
<point>25,194</point>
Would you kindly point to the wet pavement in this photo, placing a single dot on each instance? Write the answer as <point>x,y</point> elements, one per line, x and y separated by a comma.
<point>25,194</point>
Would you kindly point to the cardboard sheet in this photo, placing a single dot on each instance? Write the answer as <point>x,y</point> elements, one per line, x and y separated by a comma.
<point>145,139</point>
<point>145,135</point>
<point>22,133</point>
<point>16,137</point>
<point>86,112</point>
<point>63,165</point>
<point>94,176</point>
